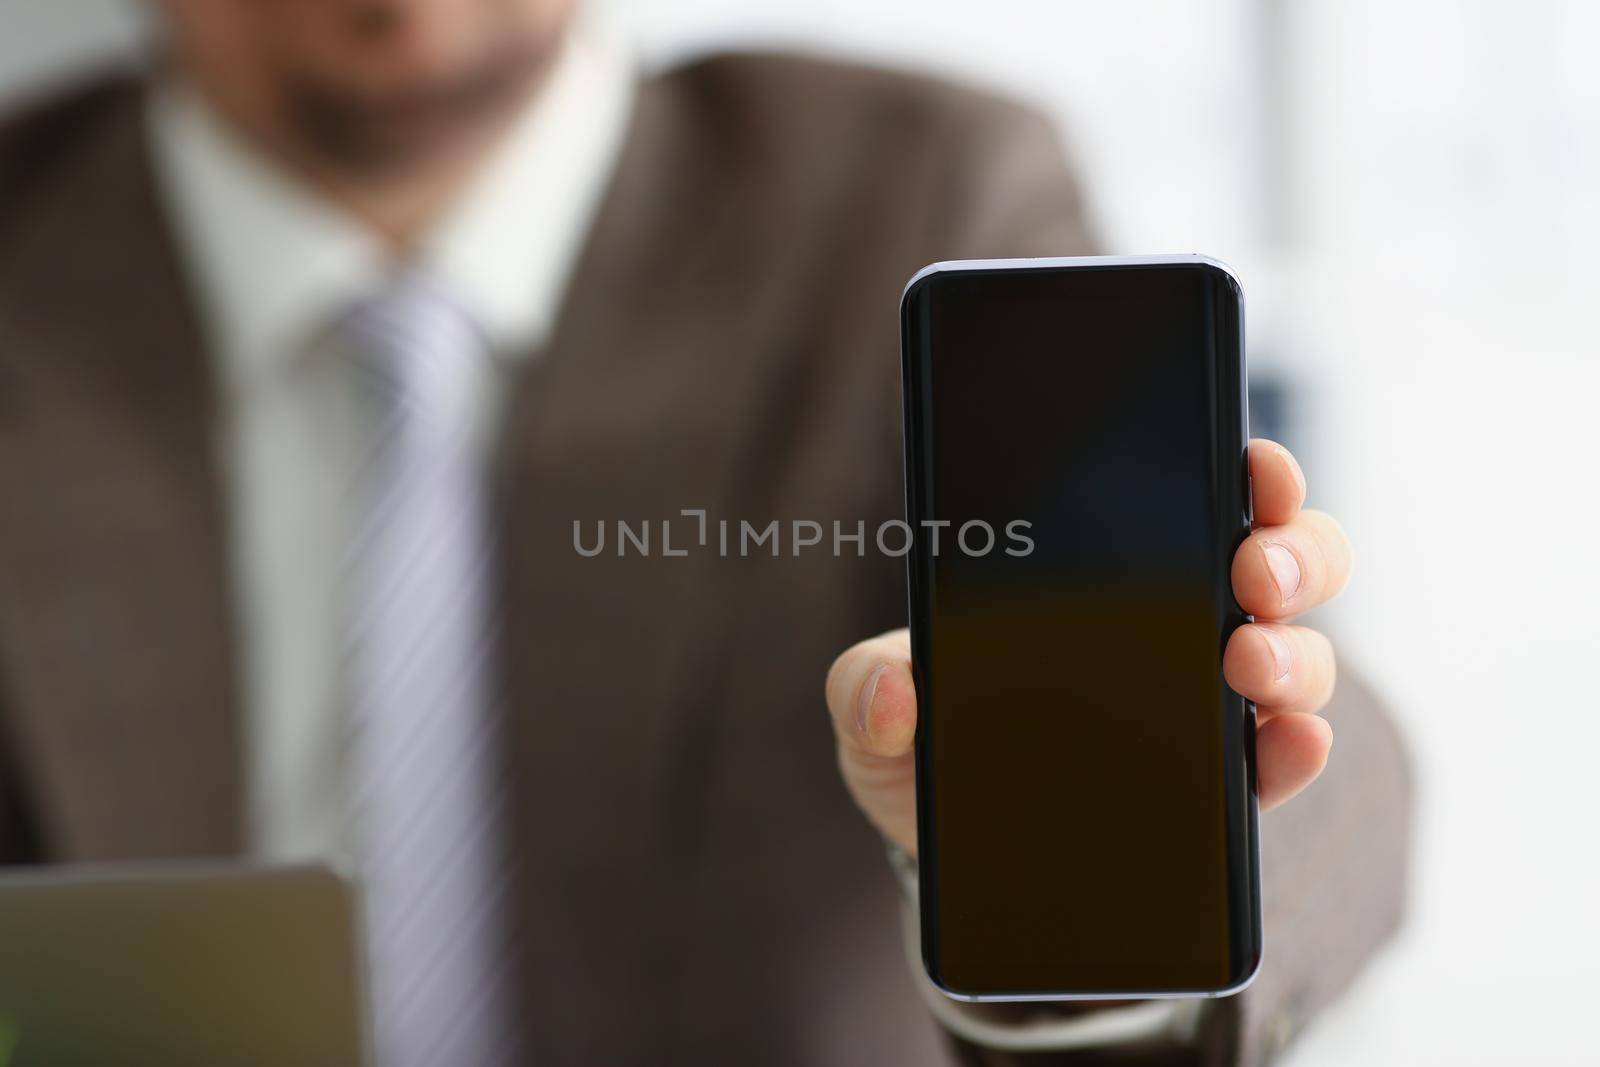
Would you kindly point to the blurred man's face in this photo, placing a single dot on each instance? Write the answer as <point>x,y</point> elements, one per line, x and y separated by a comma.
<point>366,84</point>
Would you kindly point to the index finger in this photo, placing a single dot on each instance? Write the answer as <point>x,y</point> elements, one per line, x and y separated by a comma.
<point>1277,485</point>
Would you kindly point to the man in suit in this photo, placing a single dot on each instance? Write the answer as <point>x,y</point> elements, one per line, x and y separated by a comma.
<point>317,345</point>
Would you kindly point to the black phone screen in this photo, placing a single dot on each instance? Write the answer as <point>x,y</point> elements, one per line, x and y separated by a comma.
<point>1085,778</point>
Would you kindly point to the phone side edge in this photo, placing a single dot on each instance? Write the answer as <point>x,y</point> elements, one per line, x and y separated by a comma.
<point>915,457</point>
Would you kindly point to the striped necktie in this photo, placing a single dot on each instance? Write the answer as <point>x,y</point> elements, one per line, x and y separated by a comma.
<point>428,792</point>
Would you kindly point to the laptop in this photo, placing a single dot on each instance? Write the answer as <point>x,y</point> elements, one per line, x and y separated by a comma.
<point>179,964</point>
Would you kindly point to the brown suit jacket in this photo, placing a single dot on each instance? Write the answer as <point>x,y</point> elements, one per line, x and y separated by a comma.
<point>694,884</point>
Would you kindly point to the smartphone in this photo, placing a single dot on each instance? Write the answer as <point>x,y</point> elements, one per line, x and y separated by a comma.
<point>1076,486</point>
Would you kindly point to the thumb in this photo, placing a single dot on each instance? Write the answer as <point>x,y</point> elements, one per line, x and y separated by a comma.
<point>872,703</point>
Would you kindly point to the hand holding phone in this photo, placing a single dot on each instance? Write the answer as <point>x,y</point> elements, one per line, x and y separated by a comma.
<point>1052,764</point>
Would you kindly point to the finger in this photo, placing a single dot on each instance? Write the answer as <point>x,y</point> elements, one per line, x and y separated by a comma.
<point>871,698</point>
<point>1284,669</point>
<point>1277,484</point>
<point>1291,751</point>
<point>1280,571</point>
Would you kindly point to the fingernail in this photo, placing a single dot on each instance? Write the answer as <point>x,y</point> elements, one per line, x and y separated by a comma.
<point>1284,568</point>
<point>869,689</point>
<point>1278,646</point>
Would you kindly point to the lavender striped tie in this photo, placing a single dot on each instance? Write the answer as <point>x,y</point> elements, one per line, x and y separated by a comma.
<point>428,794</point>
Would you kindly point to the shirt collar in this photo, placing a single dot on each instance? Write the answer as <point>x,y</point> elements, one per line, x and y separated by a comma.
<point>273,263</point>
<point>510,244</point>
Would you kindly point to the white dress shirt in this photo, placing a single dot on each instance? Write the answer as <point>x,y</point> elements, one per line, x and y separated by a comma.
<point>273,265</point>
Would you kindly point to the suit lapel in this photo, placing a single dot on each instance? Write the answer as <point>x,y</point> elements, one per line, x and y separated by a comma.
<point>115,618</point>
<point>633,413</point>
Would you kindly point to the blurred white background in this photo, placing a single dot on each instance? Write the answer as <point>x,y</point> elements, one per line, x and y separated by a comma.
<point>1410,194</point>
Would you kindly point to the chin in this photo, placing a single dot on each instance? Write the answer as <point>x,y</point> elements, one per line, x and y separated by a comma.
<point>415,115</point>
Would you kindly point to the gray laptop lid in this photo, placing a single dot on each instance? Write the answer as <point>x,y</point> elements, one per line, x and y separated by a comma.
<point>176,965</point>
